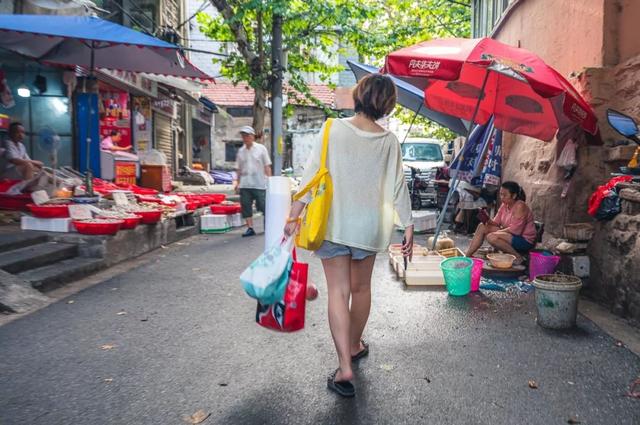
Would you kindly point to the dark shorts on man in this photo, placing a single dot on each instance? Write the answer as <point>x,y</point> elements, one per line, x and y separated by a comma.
<point>247,196</point>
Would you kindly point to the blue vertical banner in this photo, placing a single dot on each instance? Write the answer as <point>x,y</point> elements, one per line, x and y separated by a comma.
<point>87,117</point>
<point>492,172</point>
<point>473,153</point>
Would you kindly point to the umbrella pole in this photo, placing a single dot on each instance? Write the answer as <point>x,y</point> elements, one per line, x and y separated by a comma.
<point>88,184</point>
<point>411,125</point>
<point>455,179</point>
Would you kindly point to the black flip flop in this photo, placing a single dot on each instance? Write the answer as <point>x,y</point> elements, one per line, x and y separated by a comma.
<point>342,388</point>
<point>362,353</point>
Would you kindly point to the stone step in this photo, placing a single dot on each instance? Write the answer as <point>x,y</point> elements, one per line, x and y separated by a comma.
<point>13,241</point>
<point>32,257</point>
<point>55,275</point>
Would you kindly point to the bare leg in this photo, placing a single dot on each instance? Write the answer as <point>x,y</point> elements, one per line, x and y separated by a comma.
<point>502,241</point>
<point>250,222</point>
<point>27,171</point>
<point>478,238</point>
<point>459,217</point>
<point>360,299</point>
<point>338,273</point>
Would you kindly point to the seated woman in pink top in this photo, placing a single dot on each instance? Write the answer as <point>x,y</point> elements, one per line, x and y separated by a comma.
<point>513,229</point>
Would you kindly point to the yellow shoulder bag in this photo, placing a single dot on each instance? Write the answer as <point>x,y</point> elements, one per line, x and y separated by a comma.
<point>314,221</point>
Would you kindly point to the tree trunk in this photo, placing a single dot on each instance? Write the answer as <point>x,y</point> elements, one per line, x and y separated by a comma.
<point>259,113</point>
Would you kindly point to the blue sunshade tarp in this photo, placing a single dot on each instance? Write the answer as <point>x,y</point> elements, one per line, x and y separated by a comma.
<point>412,97</point>
<point>68,41</point>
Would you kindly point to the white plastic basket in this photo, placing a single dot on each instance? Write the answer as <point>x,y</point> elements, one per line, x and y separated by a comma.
<point>236,220</point>
<point>214,223</point>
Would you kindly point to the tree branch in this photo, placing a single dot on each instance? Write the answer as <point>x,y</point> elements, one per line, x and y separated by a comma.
<point>458,3</point>
<point>240,34</point>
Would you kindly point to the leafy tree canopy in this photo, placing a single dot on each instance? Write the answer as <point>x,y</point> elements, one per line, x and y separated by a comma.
<point>315,31</point>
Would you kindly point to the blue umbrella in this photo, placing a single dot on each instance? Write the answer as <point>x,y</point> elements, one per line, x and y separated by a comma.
<point>412,97</point>
<point>91,42</point>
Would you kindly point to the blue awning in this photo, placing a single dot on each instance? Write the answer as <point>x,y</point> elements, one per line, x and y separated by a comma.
<point>70,41</point>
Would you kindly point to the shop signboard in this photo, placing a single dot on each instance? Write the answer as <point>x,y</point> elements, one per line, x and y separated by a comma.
<point>125,172</point>
<point>165,106</point>
<point>134,80</point>
<point>202,114</point>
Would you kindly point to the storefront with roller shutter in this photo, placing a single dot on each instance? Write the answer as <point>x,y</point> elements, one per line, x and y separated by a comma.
<point>164,116</point>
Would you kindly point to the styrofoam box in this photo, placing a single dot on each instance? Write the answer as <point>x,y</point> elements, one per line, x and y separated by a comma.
<point>236,220</point>
<point>424,220</point>
<point>214,222</point>
<point>62,225</point>
<point>418,263</point>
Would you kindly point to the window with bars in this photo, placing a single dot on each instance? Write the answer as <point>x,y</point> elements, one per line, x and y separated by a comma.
<point>486,15</point>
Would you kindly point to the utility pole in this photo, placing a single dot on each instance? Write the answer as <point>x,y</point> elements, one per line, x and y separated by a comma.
<point>277,145</point>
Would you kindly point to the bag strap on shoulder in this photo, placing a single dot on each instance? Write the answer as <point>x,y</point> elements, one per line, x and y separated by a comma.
<point>323,163</point>
<point>325,143</point>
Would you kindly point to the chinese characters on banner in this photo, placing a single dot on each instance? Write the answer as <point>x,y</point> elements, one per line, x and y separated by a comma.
<point>142,124</point>
<point>492,171</point>
<point>125,172</point>
<point>114,115</point>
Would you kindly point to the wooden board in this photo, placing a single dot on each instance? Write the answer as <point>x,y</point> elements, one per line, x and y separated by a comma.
<point>430,278</point>
<point>489,270</point>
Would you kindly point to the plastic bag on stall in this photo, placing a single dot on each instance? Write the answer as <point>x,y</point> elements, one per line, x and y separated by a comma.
<point>601,192</point>
<point>610,206</point>
<point>567,158</point>
<point>152,157</point>
<point>267,277</point>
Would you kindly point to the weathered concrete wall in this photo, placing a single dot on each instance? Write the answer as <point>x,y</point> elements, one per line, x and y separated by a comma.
<point>621,40</point>
<point>226,130</point>
<point>303,127</point>
<point>129,244</point>
<point>615,269</point>
<point>532,163</point>
<point>602,32</point>
<point>600,52</point>
<point>542,27</point>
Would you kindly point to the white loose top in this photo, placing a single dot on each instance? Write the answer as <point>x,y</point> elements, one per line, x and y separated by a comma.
<point>250,164</point>
<point>369,189</point>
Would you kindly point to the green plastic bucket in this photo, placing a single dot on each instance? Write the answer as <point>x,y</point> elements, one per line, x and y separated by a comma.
<point>457,275</point>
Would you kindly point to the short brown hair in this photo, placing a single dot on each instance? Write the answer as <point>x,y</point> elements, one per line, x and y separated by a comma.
<point>375,96</point>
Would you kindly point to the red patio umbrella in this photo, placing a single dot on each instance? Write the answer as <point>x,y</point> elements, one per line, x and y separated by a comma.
<point>476,78</point>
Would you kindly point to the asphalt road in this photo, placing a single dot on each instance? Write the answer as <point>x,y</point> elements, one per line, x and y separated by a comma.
<point>185,340</point>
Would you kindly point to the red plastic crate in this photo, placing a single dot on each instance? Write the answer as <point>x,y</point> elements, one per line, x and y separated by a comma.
<point>15,202</point>
<point>49,211</point>
<point>85,228</point>
<point>149,217</point>
<point>226,209</point>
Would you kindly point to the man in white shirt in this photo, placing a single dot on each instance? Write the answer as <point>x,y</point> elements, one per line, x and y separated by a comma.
<point>253,166</point>
<point>17,164</point>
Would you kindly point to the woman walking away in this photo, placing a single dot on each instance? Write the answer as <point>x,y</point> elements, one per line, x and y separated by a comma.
<point>365,163</point>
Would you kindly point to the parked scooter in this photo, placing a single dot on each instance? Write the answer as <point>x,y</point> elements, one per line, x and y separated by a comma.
<point>415,186</point>
<point>626,126</point>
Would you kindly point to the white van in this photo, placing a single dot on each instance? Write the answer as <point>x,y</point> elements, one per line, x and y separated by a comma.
<point>424,156</point>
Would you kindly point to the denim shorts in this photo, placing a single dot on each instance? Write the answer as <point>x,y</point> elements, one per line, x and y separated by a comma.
<point>330,250</point>
<point>520,244</point>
